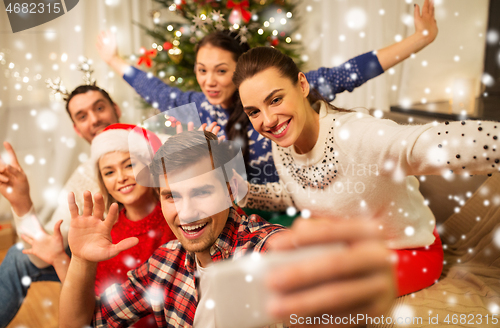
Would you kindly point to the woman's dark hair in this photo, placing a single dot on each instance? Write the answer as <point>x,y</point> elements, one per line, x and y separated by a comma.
<point>237,124</point>
<point>84,89</point>
<point>259,59</point>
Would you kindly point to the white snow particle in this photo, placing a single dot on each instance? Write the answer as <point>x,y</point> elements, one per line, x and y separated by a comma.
<point>409,231</point>
<point>378,113</point>
<point>493,308</point>
<point>129,261</point>
<point>29,159</point>
<point>210,304</point>
<point>344,134</point>
<point>26,281</point>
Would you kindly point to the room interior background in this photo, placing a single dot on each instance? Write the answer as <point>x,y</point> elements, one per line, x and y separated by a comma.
<point>447,73</point>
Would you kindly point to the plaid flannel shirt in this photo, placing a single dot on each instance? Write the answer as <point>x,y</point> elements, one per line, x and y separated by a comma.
<point>165,285</point>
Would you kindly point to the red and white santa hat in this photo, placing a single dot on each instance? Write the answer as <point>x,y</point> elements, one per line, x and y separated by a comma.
<point>126,138</point>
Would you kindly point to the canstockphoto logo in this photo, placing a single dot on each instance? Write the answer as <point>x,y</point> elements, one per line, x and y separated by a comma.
<point>25,14</point>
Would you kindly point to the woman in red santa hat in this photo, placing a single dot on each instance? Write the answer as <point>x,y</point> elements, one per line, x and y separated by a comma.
<point>140,212</point>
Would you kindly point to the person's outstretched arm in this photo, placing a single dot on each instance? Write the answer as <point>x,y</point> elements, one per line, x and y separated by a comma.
<point>425,32</point>
<point>150,88</point>
<point>108,50</point>
<point>90,242</point>
<point>330,81</point>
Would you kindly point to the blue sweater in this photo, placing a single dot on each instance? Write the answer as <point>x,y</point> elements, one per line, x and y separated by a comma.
<point>261,169</point>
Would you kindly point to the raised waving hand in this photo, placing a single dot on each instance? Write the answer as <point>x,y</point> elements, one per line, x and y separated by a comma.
<point>89,235</point>
<point>108,50</point>
<point>14,184</point>
<point>425,23</point>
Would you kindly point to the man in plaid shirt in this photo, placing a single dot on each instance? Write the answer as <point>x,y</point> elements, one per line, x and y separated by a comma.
<point>197,205</point>
<point>209,229</point>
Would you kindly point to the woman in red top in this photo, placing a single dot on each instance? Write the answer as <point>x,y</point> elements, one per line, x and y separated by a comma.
<point>140,212</point>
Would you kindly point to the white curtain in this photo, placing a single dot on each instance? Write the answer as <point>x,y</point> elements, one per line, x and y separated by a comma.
<point>335,30</point>
<point>339,30</point>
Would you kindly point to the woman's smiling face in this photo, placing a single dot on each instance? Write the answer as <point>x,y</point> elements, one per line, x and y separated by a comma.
<point>275,105</point>
<point>118,176</point>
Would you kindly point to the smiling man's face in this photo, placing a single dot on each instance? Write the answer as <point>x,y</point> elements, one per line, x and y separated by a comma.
<point>91,112</point>
<point>195,203</point>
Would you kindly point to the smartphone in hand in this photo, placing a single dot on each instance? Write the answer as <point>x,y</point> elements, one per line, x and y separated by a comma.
<point>239,292</point>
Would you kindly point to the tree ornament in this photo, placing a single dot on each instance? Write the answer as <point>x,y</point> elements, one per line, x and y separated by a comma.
<point>275,42</point>
<point>155,13</point>
<point>235,17</point>
<point>156,16</point>
<point>147,57</point>
<point>242,7</point>
<point>175,54</point>
<point>167,45</point>
<point>180,4</point>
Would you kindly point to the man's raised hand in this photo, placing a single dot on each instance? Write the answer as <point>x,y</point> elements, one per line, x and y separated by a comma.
<point>89,235</point>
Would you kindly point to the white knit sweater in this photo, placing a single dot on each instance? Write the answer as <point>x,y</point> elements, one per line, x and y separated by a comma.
<point>364,167</point>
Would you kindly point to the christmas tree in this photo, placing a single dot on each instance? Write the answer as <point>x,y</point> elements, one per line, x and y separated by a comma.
<point>257,22</point>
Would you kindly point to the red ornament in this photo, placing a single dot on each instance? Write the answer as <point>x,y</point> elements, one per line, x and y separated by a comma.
<point>275,42</point>
<point>167,45</point>
<point>242,7</point>
<point>147,57</point>
<point>179,7</point>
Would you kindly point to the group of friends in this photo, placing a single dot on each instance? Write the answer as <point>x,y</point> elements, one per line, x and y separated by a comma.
<point>114,242</point>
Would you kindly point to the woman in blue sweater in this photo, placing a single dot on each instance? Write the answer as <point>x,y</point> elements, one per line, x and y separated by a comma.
<point>216,57</point>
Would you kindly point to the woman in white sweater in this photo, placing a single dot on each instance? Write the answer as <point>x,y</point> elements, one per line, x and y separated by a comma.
<point>344,164</point>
